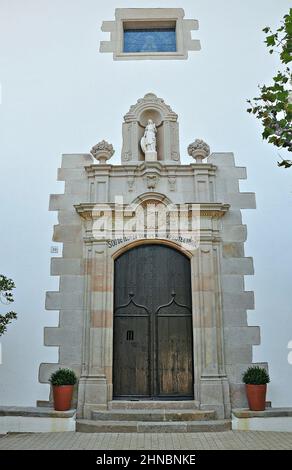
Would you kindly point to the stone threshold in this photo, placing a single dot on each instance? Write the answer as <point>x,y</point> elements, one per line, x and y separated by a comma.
<point>35,412</point>
<point>154,415</point>
<point>153,405</point>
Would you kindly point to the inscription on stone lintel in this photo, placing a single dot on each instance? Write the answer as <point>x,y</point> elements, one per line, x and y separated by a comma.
<point>193,244</point>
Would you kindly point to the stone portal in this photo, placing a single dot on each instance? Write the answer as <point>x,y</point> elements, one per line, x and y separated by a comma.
<point>183,223</point>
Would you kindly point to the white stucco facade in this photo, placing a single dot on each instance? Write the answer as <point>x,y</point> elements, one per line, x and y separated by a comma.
<point>84,102</point>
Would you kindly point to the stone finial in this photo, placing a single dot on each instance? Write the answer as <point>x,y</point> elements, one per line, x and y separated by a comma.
<point>102,151</point>
<point>199,150</point>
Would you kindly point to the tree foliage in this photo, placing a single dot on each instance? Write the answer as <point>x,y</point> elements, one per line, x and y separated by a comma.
<point>6,297</point>
<point>273,107</point>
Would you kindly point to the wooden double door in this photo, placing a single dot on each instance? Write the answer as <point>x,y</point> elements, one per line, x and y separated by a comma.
<point>153,334</point>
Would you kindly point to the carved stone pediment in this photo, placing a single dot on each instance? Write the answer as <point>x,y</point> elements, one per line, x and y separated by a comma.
<point>150,102</point>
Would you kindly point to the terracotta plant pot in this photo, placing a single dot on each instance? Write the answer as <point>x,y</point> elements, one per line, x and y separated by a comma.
<point>256,396</point>
<point>62,395</point>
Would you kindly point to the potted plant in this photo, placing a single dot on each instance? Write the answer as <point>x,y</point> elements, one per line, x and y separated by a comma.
<point>256,379</point>
<point>63,381</point>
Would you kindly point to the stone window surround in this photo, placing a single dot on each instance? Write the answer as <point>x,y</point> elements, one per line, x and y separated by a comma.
<point>152,17</point>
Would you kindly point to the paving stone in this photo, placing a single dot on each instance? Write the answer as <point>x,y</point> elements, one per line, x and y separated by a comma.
<point>236,440</point>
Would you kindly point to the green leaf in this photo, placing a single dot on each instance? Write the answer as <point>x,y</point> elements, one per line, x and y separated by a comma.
<point>285,57</point>
<point>267,132</point>
<point>285,163</point>
<point>270,40</point>
<point>282,95</point>
<point>283,123</point>
<point>279,107</point>
<point>289,28</point>
<point>267,121</point>
<point>269,97</point>
<point>277,87</point>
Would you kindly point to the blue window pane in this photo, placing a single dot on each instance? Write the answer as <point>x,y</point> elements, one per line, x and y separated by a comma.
<point>150,40</point>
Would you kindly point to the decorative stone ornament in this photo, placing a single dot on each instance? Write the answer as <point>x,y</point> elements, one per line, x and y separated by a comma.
<point>172,183</point>
<point>199,150</point>
<point>102,151</point>
<point>131,182</point>
<point>152,181</point>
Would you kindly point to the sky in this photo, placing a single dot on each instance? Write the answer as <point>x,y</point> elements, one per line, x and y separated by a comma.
<point>60,95</point>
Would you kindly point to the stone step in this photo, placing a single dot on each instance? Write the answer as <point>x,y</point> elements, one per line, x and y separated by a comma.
<point>35,412</point>
<point>267,413</point>
<point>153,404</point>
<point>92,426</point>
<point>153,415</point>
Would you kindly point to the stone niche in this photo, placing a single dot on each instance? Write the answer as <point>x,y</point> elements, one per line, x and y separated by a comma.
<point>151,107</point>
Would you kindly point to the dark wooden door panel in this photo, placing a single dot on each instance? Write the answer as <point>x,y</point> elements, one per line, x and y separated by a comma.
<point>174,356</point>
<point>131,356</point>
<point>153,349</point>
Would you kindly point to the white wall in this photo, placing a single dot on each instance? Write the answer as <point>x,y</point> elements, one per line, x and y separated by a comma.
<point>59,95</point>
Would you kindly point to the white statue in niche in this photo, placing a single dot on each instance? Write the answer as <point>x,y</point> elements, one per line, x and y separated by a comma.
<point>148,141</point>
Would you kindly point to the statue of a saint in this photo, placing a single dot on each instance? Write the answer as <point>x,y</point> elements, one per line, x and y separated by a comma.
<point>148,141</point>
